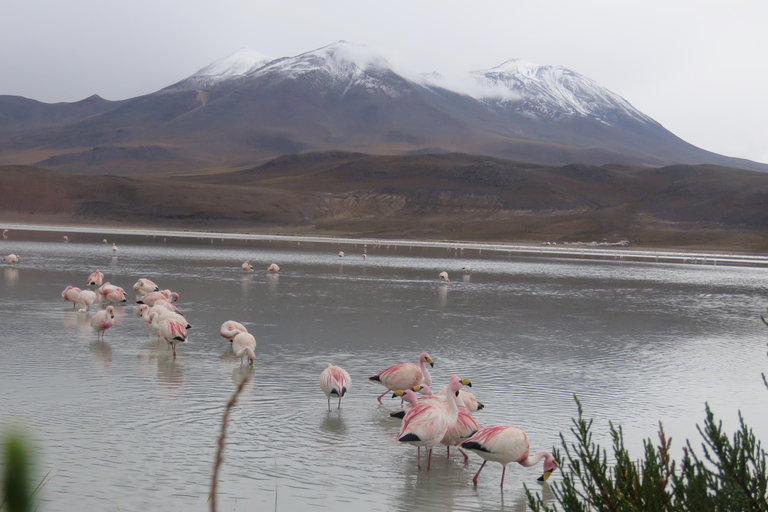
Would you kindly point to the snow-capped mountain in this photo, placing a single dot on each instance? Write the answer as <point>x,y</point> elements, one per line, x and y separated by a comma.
<point>554,91</point>
<point>247,107</point>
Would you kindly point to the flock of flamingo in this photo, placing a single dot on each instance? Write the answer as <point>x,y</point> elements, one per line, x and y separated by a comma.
<point>426,421</point>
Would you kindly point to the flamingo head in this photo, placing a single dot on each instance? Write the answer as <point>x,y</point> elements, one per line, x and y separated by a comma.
<point>455,384</point>
<point>408,395</point>
<point>111,311</point>
<point>423,389</point>
<point>175,296</point>
<point>549,466</point>
<point>143,308</point>
<point>466,382</point>
<point>424,358</point>
<point>251,355</point>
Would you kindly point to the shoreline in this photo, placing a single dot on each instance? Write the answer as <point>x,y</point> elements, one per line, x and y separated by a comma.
<point>571,251</point>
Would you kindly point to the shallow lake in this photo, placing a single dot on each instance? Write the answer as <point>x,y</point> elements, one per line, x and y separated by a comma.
<point>121,425</point>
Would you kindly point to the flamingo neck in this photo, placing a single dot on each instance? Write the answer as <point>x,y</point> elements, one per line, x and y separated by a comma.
<point>427,377</point>
<point>535,458</point>
<point>453,410</point>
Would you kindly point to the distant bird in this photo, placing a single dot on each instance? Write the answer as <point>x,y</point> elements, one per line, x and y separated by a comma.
<point>335,381</point>
<point>505,444</point>
<point>102,321</point>
<point>247,267</point>
<point>66,239</point>
<point>5,234</point>
<point>84,299</point>
<point>144,286</point>
<point>341,254</point>
<point>95,278</point>
<point>427,423</point>
<point>444,277</point>
<point>105,241</point>
<point>114,247</point>
<point>230,329</point>
<point>273,268</point>
<point>11,258</point>
<point>402,376</point>
<point>466,270</point>
<point>365,256</point>
<point>70,293</point>
<point>244,345</point>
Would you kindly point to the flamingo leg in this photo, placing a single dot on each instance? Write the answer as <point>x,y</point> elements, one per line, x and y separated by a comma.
<point>474,480</point>
<point>502,475</point>
<point>429,460</point>
<point>381,395</point>
<point>329,404</point>
<point>339,407</point>
<point>418,456</point>
<point>449,452</point>
<point>466,457</point>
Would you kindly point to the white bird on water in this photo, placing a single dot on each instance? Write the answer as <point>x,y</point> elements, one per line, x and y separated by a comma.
<point>114,247</point>
<point>335,381</point>
<point>244,345</point>
<point>444,277</point>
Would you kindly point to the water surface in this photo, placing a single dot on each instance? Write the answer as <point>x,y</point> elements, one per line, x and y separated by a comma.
<point>123,425</point>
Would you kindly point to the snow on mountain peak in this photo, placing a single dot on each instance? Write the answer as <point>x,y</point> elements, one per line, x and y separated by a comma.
<point>239,63</point>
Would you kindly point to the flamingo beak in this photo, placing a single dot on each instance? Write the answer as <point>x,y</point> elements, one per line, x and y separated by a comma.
<point>398,393</point>
<point>416,389</point>
<point>466,382</point>
<point>250,362</point>
<point>545,476</point>
<point>431,362</point>
<point>112,314</point>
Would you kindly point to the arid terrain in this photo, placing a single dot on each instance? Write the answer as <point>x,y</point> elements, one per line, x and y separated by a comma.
<point>432,196</point>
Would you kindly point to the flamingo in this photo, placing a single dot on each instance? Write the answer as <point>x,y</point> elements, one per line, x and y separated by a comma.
<point>505,444</point>
<point>427,393</point>
<point>144,286</point>
<point>102,321</point>
<point>444,277</point>
<point>244,345</point>
<point>341,254</point>
<point>466,270</point>
<point>95,278</point>
<point>114,247</point>
<point>70,293</point>
<point>152,297</point>
<point>112,293</point>
<point>153,314</point>
<point>365,256</point>
<point>5,234</point>
<point>105,241</point>
<point>335,381</point>
<point>273,268</point>
<point>403,375</point>
<point>172,331</point>
<point>66,239</point>
<point>247,267</point>
<point>85,298</point>
<point>11,258</point>
<point>230,329</point>
<point>427,423</point>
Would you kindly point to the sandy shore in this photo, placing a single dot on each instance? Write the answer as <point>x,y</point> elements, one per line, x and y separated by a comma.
<point>582,251</point>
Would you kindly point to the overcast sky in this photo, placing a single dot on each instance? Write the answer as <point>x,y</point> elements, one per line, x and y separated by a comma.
<point>699,67</point>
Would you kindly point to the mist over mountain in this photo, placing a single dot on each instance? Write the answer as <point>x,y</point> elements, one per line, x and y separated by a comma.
<point>246,109</point>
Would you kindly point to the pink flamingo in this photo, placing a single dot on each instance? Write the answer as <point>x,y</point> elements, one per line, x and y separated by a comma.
<point>5,234</point>
<point>95,278</point>
<point>247,267</point>
<point>144,286</point>
<point>150,298</point>
<point>172,331</point>
<point>244,345</point>
<point>85,298</point>
<point>113,294</point>
<point>70,293</point>
<point>426,424</point>
<point>163,304</point>
<point>230,329</point>
<point>273,268</point>
<point>444,277</point>
<point>403,375</point>
<point>66,239</point>
<point>102,321</point>
<point>157,312</point>
<point>505,444</point>
<point>11,258</point>
<point>335,381</point>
